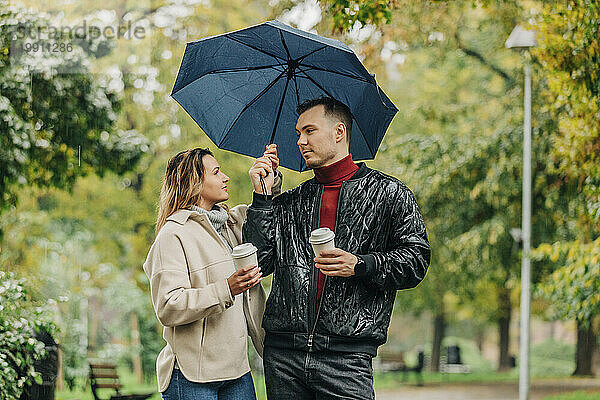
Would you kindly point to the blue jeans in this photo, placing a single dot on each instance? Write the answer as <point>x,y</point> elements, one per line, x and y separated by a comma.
<point>324,375</point>
<point>180,388</point>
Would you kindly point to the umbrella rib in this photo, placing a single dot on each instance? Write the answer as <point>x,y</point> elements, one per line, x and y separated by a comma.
<point>296,88</point>
<point>312,52</point>
<point>239,69</point>
<point>358,78</point>
<point>333,97</point>
<point>284,45</point>
<point>254,100</point>
<point>256,48</point>
<point>279,111</point>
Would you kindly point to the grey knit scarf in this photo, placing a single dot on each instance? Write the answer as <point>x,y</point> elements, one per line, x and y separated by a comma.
<point>217,216</point>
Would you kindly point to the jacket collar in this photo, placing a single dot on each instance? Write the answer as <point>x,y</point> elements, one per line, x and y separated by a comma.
<point>363,171</point>
<point>182,215</point>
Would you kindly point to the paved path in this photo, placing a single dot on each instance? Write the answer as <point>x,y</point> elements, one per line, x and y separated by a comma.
<point>488,391</point>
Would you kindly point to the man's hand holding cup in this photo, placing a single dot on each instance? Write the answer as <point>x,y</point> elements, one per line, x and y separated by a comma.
<point>336,262</point>
<point>330,260</point>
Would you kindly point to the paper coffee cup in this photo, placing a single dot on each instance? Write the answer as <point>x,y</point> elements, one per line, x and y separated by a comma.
<point>322,239</point>
<point>244,255</point>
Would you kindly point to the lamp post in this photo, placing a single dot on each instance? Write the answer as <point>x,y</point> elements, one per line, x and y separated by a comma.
<point>524,39</point>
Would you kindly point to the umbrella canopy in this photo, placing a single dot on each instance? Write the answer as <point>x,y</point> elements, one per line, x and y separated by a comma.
<point>242,88</point>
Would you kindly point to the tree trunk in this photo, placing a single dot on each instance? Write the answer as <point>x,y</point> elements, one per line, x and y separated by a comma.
<point>586,341</point>
<point>95,315</point>
<point>60,378</point>
<point>439,328</point>
<point>480,339</point>
<point>136,346</point>
<point>505,311</point>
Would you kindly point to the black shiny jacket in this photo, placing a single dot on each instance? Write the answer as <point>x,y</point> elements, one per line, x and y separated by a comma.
<point>378,220</point>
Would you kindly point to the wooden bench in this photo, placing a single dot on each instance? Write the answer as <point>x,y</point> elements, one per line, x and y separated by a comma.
<point>104,376</point>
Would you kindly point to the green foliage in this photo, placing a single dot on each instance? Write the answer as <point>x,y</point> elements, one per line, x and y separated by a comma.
<point>456,142</point>
<point>54,127</point>
<point>87,245</point>
<point>347,13</point>
<point>570,54</point>
<point>574,289</point>
<point>20,319</point>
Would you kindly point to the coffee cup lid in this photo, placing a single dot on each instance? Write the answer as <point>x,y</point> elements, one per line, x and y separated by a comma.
<point>243,250</point>
<point>321,235</point>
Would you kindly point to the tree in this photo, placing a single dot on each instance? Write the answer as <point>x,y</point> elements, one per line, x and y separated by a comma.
<point>86,241</point>
<point>450,146</point>
<point>569,53</point>
<point>573,292</point>
<point>54,127</point>
<point>442,28</point>
<point>20,320</point>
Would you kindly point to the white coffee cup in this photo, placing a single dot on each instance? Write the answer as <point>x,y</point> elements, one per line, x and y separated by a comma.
<point>322,239</point>
<point>244,255</point>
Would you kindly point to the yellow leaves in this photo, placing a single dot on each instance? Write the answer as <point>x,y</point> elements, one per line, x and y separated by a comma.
<point>475,192</point>
<point>493,238</point>
<point>555,254</point>
<point>571,254</point>
<point>545,248</point>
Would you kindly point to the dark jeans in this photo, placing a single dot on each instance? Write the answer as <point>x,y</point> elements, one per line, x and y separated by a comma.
<point>180,388</point>
<point>300,375</point>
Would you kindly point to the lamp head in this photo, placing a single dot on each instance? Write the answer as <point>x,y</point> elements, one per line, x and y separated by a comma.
<point>521,38</point>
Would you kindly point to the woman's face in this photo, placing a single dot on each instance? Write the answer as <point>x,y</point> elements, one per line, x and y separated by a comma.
<point>214,184</point>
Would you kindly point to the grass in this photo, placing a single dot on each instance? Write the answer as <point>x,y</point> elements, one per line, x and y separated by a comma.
<point>388,380</point>
<point>578,395</point>
<point>548,360</point>
<point>128,381</point>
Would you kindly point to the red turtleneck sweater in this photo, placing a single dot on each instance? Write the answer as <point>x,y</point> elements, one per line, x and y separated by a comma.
<point>332,177</point>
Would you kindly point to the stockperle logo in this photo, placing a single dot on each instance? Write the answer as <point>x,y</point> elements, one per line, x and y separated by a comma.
<point>85,31</point>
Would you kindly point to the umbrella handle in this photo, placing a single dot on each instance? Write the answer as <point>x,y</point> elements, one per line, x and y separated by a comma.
<point>262,185</point>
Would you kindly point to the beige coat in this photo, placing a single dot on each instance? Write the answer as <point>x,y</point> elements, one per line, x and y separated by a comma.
<point>204,326</point>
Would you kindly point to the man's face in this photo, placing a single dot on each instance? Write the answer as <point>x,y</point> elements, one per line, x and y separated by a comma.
<point>316,137</point>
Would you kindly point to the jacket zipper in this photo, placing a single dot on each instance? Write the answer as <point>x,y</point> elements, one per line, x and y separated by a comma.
<point>313,276</point>
<point>337,211</point>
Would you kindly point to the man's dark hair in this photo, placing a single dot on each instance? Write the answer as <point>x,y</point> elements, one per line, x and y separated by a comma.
<point>333,108</point>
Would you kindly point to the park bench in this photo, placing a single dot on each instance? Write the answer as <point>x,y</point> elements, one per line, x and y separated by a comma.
<point>394,362</point>
<point>104,376</point>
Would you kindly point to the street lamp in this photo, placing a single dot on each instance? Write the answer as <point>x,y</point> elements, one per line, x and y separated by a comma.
<point>524,39</point>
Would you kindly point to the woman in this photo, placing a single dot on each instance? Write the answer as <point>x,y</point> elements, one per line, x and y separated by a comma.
<point>207,308</point>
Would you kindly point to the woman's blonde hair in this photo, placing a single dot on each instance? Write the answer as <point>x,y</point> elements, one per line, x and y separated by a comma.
<point>182,184</point>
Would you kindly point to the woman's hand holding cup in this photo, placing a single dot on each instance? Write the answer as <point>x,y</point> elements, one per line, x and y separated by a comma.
<point>243,279</point>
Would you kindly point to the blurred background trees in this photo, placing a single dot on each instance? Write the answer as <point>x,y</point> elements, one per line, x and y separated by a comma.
<point>83,154</point>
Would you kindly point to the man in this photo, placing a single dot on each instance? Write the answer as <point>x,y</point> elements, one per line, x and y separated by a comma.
<point>327,314</point>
